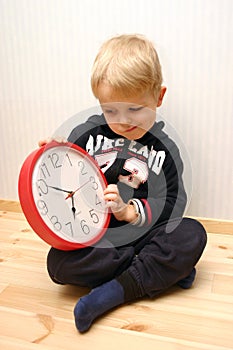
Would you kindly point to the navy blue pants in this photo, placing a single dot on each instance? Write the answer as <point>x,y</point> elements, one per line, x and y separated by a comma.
<point>156,262</point>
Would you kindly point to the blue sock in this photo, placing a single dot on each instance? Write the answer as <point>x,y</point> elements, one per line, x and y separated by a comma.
<point>187,282</point>
<point>97,302</point>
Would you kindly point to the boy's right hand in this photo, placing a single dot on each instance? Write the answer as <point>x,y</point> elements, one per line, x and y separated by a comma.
<point>58,139</point>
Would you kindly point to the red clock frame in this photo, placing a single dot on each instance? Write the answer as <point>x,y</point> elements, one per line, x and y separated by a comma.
<point>29,207</point>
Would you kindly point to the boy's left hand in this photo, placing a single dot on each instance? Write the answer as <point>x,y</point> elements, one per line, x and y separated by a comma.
<point>121,210</point>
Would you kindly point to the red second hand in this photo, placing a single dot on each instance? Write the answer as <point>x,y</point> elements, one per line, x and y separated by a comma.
<point>72,193</point>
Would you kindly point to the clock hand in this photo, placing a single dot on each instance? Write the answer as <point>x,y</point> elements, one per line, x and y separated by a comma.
<point>73,207</point>
<point>72,198</point>
<point>72,193</point>
<point>60,189</point>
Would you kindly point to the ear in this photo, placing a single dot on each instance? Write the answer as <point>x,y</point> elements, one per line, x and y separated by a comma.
<point>161,95</point>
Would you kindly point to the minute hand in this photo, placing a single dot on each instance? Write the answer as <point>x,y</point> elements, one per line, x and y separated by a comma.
<point>72,193</point>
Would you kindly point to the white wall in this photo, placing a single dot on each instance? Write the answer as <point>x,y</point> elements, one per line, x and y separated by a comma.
<point>46,51</point>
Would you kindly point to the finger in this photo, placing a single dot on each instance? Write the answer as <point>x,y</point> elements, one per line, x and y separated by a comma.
<point>58,139</point>
<point>43,142</point>
<point>110,197</point>
<point>112,205</point>
<point>111,189</point>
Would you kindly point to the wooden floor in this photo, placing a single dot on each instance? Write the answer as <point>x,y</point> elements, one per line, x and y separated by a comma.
<point>37,314</point>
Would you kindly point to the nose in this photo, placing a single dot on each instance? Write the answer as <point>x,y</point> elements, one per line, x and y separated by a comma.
<point>124,119</point>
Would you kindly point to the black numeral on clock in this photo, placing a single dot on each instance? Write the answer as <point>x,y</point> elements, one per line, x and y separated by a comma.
<point>42,207</point>
<point>70,227</point>
<point>94,183</point>
<point>68,158</point>
<point>53,162</point>
<point>54,158</point>
<point>56,224</point>
<point>42,187</point>
<point>85,228</point>
<point>44,171</point>
<point>97,200</point>
<point>81,164</point>
<point>94,216</point>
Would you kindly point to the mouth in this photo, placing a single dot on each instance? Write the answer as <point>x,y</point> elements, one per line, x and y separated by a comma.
<point>131,129</point>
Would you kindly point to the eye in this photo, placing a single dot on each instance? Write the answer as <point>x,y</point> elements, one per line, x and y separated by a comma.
<point>135,109</point>
<point>109,111</point>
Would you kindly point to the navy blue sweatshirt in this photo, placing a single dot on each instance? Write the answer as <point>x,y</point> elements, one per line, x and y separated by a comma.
<point>148,170</point>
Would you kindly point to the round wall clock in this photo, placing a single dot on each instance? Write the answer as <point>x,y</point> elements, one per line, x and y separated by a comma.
<point>61,194</point>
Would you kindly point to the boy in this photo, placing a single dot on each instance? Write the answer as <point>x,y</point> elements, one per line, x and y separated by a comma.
<point>148,246</point>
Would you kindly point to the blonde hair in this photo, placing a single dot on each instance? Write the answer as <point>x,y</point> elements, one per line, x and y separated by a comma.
<point>129,64</point>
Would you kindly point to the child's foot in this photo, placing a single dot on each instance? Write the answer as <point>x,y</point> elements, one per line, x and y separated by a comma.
<point>187,282</point>
<point>97,302</point>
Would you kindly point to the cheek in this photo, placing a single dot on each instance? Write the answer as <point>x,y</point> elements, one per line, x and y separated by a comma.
<point>150,116</point>
<point>146,120</point>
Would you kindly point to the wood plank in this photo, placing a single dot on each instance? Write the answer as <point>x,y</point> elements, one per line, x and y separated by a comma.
<point>46,330</point>
<point>211,225</point>
<point>147,316</point>
<point>57,300</point>
<point>10,205</point>
<point>35,313</point>
<point>223,285</point>
<point>8,343</point>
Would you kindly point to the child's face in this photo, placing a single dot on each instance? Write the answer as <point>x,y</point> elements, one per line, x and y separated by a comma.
<point>130,117</point>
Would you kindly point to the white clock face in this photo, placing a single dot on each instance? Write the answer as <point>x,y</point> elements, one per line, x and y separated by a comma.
<point>67,189</point>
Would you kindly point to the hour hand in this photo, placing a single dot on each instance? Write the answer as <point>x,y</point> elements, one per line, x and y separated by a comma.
<point>73,207</point>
